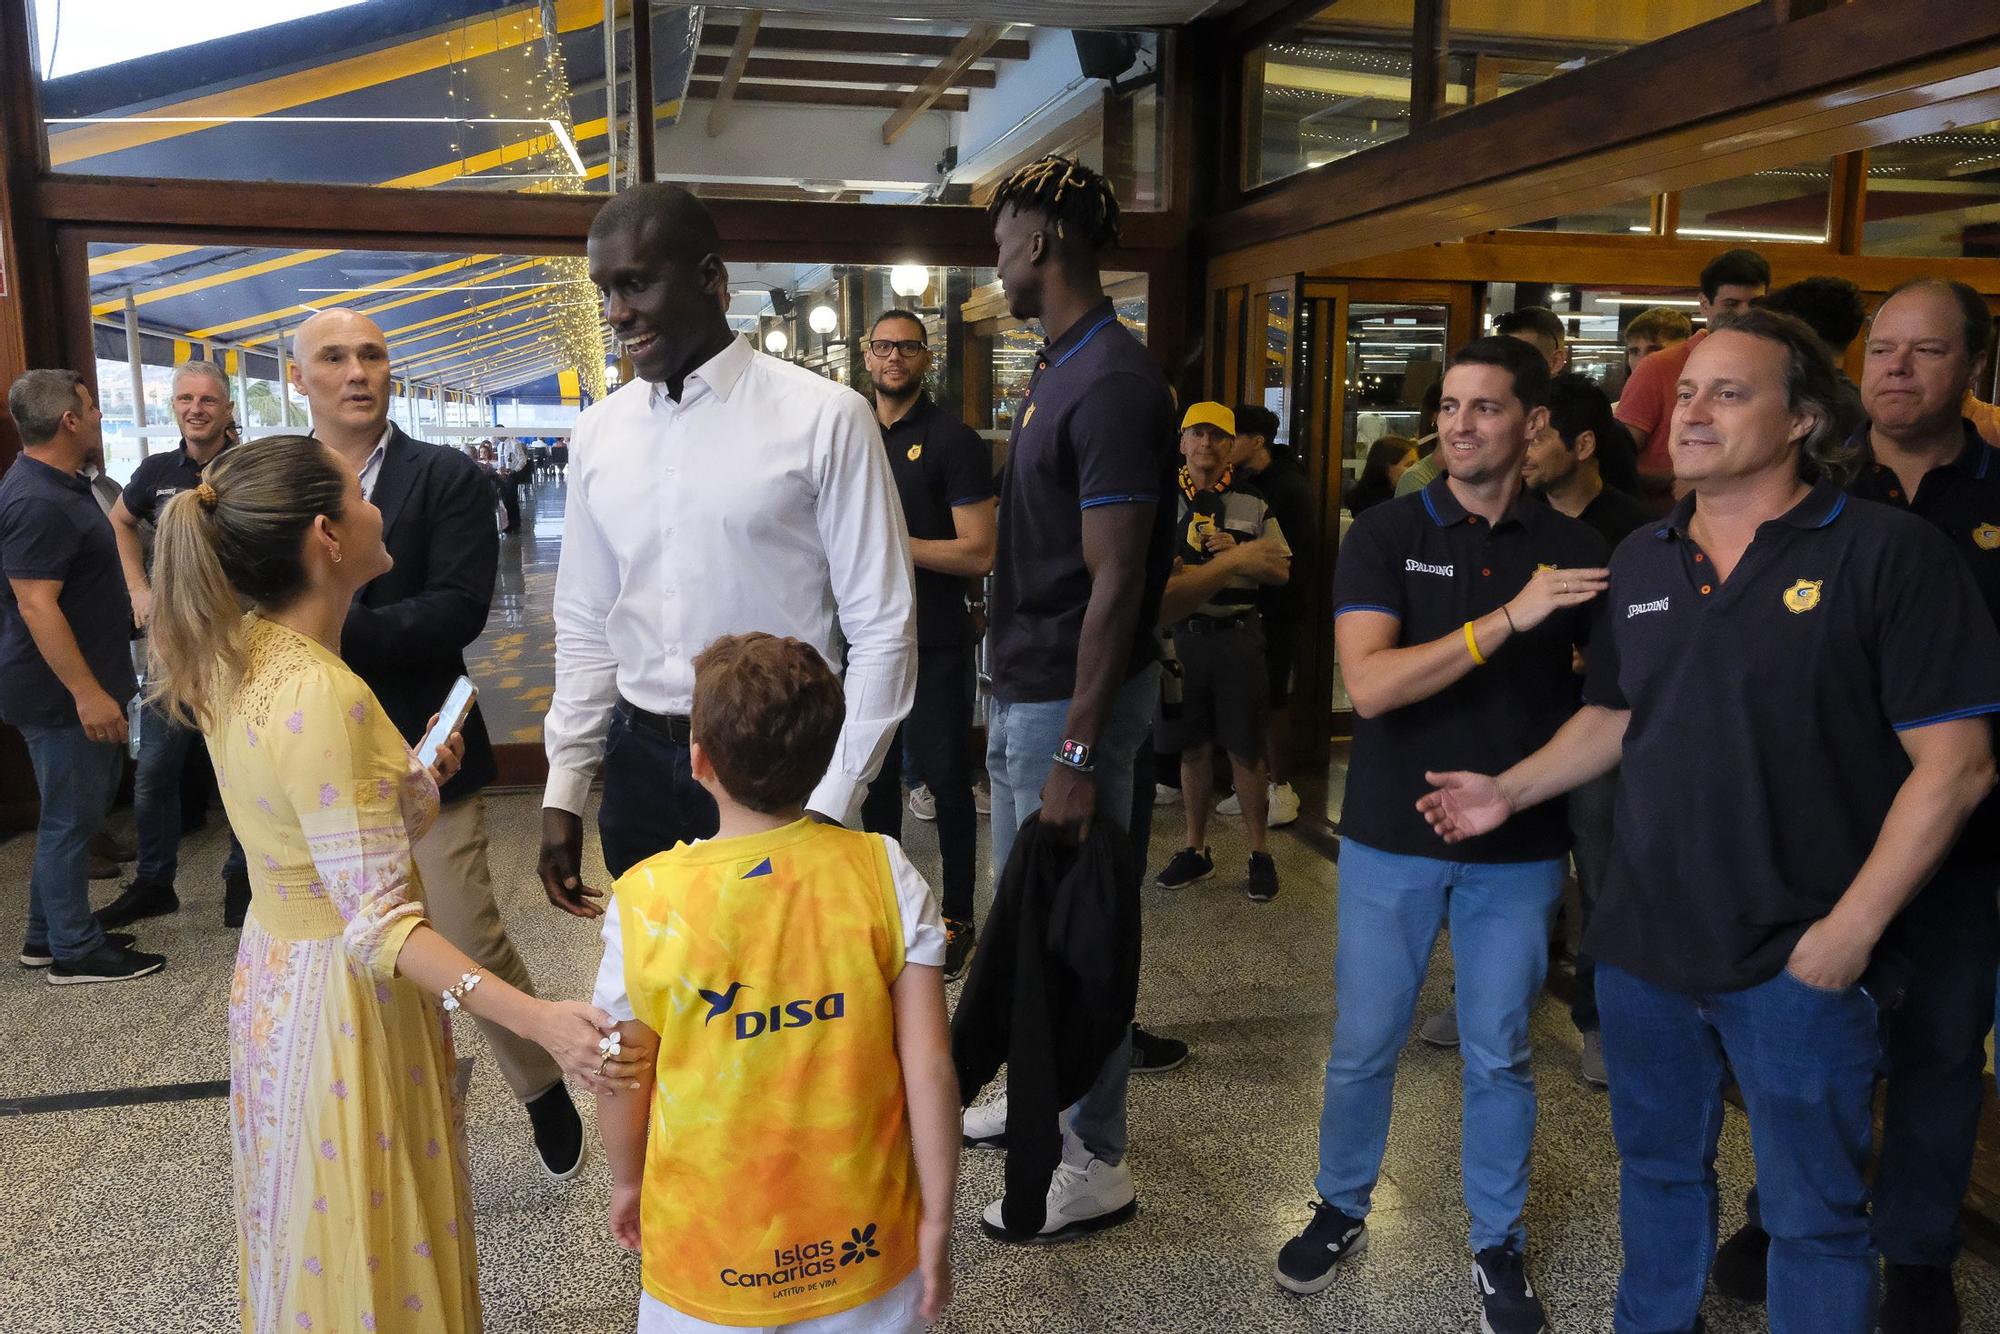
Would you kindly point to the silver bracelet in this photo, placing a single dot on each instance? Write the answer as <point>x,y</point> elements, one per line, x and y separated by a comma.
<point>454,996</point>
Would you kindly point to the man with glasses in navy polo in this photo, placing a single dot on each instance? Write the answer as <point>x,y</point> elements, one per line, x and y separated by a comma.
<point>1458,611</point>
<point>944,477</point>
<point>1797,683</point>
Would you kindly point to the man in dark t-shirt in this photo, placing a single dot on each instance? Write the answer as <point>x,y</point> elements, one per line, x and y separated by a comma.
<point>1083,556</point>
<point>1565,467</point>
<point>1458,612</point>
<point>1273,470</point>
<point>203,411</point>
<point>944,477</point>
<point>65,669</point>
<point>1797,685</point>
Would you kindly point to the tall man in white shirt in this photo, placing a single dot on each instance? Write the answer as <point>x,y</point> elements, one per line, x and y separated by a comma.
<point>718,491</point>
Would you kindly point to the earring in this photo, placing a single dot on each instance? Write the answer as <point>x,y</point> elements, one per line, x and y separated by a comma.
<point>336,555</point>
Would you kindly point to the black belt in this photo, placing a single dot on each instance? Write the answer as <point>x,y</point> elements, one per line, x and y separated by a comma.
<point>672,726</point>
<point>1215,625</point>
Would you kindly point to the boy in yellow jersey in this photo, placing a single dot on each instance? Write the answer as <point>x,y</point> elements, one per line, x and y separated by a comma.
<point>795,1165</point>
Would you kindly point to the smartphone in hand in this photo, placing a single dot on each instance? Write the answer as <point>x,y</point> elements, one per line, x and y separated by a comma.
<point>452,714</point>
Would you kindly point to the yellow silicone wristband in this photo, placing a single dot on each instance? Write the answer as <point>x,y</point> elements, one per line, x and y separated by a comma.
<point>1472,646</point>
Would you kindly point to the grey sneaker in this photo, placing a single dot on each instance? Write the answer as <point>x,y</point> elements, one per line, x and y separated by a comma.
<point>1594,1073</point>
<point>922,804</point>
<point>1441,1029</point>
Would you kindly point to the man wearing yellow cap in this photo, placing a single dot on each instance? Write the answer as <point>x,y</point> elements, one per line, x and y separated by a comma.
<point>1220,647</point>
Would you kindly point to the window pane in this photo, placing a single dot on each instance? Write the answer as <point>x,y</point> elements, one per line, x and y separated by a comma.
<point>1333,86</point>
<point>1936,195</point>
<point>1782,204</point>
<point>1634,215</point>
<point>1500,46</point>
<point>508,96</point>
<point>827,108</point>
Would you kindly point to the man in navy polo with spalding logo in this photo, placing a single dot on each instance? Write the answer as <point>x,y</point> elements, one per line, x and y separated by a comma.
<point>1797,683</point>
<point>1458,610</point>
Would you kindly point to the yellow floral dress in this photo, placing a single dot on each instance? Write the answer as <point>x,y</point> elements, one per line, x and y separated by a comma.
<point>354,1210</point>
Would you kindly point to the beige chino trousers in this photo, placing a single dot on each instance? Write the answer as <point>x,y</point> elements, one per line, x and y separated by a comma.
<point>458,901</point>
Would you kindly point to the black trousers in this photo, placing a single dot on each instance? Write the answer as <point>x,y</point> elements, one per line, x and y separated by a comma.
<point>651,800</point>
<point>939,735</point>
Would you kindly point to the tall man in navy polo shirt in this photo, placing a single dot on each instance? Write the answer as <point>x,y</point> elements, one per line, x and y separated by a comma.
<point>1459,610</point>
<point>944,477</point>
<point>1797,683</point>
<point>65,668</point>
<point>202,409</point>
<point>1926,347</point>
<point>1084,551</point>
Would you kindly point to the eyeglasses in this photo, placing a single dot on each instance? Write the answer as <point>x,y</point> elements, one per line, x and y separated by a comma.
<point>909,347</point>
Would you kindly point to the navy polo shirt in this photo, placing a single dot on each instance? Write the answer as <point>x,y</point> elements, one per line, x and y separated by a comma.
<point>51,528</point>
<point>939,462</point>
<point>1961,500</point>
<point>1424,560</point>
<point>1762,751</point>
<point>1096,427</point>
<point>158,479</point>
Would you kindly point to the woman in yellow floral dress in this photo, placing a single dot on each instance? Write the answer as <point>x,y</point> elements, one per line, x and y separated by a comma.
<point>353,1203</point>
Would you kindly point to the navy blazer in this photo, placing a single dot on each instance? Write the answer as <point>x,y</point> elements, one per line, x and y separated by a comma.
<point>406,632</point>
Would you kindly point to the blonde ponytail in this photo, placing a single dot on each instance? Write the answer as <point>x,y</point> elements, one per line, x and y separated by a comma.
<point>234,541</point>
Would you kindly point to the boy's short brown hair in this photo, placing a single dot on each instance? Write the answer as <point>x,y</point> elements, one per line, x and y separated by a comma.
<point>767,712</point>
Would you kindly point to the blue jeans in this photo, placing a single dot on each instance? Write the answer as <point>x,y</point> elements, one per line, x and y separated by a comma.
<point>1390,909</point>
<point>78,780</point>
<point>1805,1061</point>
<point>651,801</point>
<point>156,799</point>
<point>1021,742</point>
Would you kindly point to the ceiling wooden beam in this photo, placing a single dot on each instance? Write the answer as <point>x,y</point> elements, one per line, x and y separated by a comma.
<point>970,48</point>
<point>739,56</point>
<point>890,39</point>
<point>820,95</point>
<point>873,73</point>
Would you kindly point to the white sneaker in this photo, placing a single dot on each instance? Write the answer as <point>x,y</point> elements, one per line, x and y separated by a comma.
<point>1081,1200</point>
<point>922,804</point>
<point>986,1125</point>
<point>982,799</point>
<point>1284,808</point>
<point>1441,1029</point>
<point>1229,805</point>
<point>1166,796</point>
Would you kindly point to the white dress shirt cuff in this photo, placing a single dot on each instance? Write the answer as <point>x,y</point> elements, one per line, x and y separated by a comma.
<point>837,797</point>
<point>568,790</point>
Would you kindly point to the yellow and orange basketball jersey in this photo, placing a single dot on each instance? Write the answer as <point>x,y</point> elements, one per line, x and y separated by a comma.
<point>780,1183</point>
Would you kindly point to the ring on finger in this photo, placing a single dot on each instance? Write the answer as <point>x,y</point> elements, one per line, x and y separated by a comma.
<point>1565,585</point>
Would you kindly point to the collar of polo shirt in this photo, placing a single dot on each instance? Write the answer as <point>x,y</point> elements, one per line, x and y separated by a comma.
<point>1821,506</point>
<point>1444,509</point>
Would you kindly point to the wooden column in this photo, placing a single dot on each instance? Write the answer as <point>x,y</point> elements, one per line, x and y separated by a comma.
<point>30,308</point>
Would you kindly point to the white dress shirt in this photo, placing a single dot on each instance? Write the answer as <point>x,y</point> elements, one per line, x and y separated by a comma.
<point>761,501</point>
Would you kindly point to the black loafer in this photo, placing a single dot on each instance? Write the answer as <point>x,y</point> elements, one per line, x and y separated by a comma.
<point>559,1138</point>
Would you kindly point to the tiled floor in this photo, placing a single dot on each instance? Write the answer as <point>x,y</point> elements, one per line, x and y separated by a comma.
<point>119,1222</point>
<point>513,663</point>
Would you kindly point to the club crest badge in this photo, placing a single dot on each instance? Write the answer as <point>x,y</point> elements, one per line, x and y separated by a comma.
<point>1803,596</point>
<point>1986,536</point>
<point>916,452</point>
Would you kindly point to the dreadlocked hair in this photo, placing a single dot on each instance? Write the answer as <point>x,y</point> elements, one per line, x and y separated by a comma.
<point>1079,202</point>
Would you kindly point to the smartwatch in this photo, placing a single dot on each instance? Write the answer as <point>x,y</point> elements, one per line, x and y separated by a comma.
<point>1076,756</point>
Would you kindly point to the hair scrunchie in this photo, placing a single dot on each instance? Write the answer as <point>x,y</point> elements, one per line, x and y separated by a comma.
<point>205,494</point>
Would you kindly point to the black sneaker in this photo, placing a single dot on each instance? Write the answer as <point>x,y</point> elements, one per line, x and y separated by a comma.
<point>1263,878</point>
<point>1918,1299</point>
<point>106,963</point>
<point>140,898</point>
<point>1509,1303</point>
<point>558,1133</point>
<point>235,898</point>
<point>38,956</point>
<point>1188,866</point>
<point>1153,1054</point>
<point>1310,1261</point>
<point>1738,1271</point>
<point>960,940</point>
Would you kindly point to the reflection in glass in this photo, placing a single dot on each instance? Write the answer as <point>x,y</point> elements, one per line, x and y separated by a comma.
<point>1272,384</point>
<point>1333,86</point>
<point>1634,215</point>
<point>1781,204</point>
<point>1937,195</point>
<point>1498,47</point>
